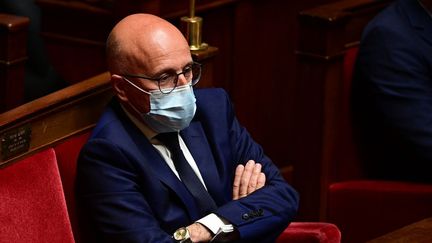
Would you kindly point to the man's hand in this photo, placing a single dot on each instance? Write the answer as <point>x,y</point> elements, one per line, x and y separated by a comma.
<point>247,179</point>
<point>199,233</point>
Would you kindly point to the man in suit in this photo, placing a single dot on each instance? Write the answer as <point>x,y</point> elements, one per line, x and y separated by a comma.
<point>392,92</point>
<point>130,185</point>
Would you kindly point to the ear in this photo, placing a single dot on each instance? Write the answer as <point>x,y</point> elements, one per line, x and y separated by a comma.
<point>118,84</point>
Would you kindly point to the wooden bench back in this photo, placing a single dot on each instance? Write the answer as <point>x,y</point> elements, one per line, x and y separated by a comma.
<point>326,152</point>
<point>13,55</point>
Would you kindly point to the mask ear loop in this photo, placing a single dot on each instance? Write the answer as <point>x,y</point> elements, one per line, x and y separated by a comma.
<point>140,89</point>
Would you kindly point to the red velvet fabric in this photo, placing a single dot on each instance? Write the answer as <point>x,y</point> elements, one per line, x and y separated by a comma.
<point>348,68</point>
<point>366,209</point>
<point>32,204</point>
<point>310,232</point>
<point>346,163</point>
<point>67,154</point>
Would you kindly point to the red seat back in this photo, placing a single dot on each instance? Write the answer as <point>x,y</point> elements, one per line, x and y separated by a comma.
<point>67,154</point>
<point>347,164</point>
<point>32,204</point>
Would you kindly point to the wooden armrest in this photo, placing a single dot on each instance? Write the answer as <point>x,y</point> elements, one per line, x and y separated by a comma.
<point>47,120</point>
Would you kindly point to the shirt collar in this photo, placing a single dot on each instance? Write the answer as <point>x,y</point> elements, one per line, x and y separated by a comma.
<point>144,128</point>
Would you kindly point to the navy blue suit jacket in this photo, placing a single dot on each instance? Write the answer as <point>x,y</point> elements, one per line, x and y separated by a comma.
<point>129,194</point>
<point>392,93</point>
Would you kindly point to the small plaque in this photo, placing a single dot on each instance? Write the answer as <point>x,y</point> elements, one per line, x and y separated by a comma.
<point>15,142</point>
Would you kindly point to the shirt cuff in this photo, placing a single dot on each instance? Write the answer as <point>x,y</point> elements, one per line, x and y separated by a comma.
<point>212,222</point>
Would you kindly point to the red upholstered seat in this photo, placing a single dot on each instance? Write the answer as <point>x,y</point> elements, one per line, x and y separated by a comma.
<point>310,232</point>
<point>367,209</point>
<point>32,204</point>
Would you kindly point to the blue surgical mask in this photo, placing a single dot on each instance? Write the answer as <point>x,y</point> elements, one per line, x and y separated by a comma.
<point>169,112</point>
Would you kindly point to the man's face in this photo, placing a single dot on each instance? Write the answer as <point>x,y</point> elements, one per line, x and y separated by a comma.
<point>164,52</point>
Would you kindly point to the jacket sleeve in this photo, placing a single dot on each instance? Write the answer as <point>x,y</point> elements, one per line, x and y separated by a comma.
<point>394,84</point>
<point>111,206</point>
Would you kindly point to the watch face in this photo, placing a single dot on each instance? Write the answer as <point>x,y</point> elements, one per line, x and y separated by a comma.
<point>180,234</point>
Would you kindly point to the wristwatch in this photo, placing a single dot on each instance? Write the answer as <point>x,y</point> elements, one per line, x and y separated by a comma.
<point>182,235</point>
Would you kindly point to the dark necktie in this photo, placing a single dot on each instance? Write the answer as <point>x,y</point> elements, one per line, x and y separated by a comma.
<point>203,199</point>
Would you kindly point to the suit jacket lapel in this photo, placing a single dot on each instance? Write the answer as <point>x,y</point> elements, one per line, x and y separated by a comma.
<point>198,145</point>
<point>154,161</point>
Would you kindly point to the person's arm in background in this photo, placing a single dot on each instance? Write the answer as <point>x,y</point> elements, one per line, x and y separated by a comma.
<point>398,83</point>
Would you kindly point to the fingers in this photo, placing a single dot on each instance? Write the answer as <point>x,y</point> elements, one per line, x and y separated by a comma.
<point>248,178</point>
<point>245,179</point>
<point>236,184</point>
<point>261,180</point>
<point>254,178</point>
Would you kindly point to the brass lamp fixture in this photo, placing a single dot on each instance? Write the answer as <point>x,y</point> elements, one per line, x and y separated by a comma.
<point>192,27</point>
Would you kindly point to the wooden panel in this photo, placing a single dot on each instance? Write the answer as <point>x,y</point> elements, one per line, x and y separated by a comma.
<point>206,58</point>
<point>416,232</point>
<point>263,80</point>
<point>53,117</point>
<point>78,29</point>
<point>325,34</point>
<point>13,54</point>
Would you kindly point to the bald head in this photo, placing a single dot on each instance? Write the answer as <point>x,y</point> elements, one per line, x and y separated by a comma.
<point>140,38</point>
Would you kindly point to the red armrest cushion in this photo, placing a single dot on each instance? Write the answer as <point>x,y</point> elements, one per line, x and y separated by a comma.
<point>32,204</point>
<point>310,232</point>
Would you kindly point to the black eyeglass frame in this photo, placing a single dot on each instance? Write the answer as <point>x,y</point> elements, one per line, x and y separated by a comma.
<point>158,80</point>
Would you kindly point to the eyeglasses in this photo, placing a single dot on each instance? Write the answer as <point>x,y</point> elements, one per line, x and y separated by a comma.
<point>168,81</point>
